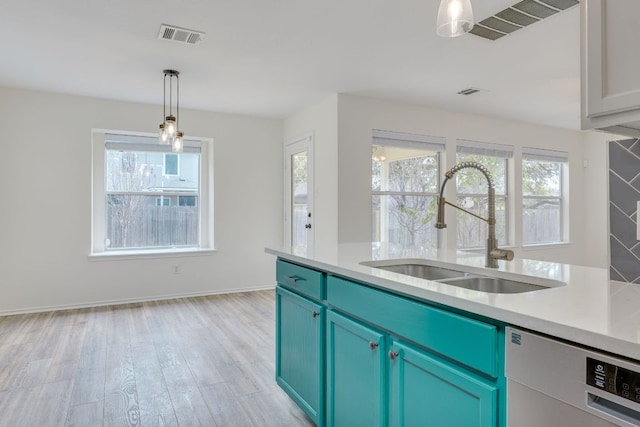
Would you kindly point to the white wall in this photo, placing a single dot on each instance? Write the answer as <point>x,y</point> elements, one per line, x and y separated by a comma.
<point>321,119</point>
<point>359,115</point>
<point>596,199</point>
<point>45,224</point>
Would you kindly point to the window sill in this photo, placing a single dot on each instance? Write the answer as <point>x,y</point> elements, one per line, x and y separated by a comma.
<point>149,254</point>
<point>538,246</point>
<point>525,248</point>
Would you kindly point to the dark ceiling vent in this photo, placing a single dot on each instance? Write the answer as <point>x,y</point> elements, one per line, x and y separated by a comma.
<point>180,35</point>
<point>469,91</point>
<point>518,16</point>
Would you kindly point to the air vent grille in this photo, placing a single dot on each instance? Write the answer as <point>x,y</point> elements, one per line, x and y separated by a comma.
<point>519,15</point>
<point>469,91</point>
<point>180,35</point>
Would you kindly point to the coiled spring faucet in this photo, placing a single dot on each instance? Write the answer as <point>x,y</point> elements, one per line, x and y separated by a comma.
<point>493,253</point>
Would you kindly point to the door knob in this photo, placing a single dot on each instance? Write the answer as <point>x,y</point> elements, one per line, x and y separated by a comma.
<point>373,345</point>
<point>393,355</point>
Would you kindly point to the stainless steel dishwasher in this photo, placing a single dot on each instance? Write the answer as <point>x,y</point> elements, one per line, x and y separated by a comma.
<point>555,384</point>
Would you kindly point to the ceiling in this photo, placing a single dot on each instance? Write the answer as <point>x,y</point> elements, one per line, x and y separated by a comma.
<point>273,58</point>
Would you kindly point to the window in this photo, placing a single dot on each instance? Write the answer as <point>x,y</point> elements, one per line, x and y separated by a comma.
<point>163,201</point>
<point>471,187</point>
<point>405,184</point>
<point>542,195</point>
<point>171,164</point>
<point>147,199</point>
<point>187,201</point>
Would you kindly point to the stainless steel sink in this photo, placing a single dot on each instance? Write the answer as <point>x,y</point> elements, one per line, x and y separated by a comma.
<point>421,271</point>
<point>493,285</point>
<point>462,279</point>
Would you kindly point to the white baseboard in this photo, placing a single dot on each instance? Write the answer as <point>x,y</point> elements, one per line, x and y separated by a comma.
<point>131,300</point>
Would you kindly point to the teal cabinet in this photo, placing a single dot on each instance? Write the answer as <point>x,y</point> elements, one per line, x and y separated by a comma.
<point>442,368</point>
<point>469,342</point>
<point>350,354</point>
<point>356,380</point>
<point>300,351</point>
<point>426,391</point>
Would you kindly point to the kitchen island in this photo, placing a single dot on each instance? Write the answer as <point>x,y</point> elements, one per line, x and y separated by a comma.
<point>416,330</point>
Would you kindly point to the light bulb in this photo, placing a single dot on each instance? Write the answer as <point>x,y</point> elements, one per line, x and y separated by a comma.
<point>170,125</point>
<point>177,145</point>
<point>455,17</point>
<point>164,140</point>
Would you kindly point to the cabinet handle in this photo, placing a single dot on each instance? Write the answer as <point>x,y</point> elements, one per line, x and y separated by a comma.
<point>293,278</point>
<point>393,355</point>
<point>373,345</point>
<point>315,314</point>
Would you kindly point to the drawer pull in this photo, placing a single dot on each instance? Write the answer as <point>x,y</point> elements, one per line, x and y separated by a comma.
<point>373,345</point>
<point>294,279</point>
<point>393,355</point>
<point>315,314</point>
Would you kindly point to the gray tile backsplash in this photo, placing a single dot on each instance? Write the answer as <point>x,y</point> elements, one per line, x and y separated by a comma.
<point>624,193</point>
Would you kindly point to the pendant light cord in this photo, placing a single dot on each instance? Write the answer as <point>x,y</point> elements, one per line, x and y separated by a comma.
<point>171,97</point>
<point>177,101</point>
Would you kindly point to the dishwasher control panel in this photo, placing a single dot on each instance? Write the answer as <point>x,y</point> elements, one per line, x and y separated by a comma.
<point>613,379</point>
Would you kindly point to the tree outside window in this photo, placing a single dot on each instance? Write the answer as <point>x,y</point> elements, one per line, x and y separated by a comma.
<point>405,184</point>
<point>542,201</point>
<point>471,187</point>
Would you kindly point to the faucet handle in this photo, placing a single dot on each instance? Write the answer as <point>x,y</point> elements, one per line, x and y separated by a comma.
<point>440,224</point>
<point>504,254</point>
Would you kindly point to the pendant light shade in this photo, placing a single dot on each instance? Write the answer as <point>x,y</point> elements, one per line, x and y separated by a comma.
<point>169,133</point>
<point>455,17</point>
<point>170,126</point>
<point>177,144</point>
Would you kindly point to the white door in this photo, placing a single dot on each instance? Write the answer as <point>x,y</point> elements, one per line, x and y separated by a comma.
<point>299,230</point>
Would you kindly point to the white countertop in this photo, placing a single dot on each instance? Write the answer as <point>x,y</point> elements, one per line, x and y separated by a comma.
<point>583,306</point>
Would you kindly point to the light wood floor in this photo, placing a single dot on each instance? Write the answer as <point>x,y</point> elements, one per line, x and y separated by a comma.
<point>205,361</point>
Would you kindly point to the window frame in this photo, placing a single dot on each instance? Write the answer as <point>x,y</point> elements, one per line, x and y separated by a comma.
<point>98,201</point>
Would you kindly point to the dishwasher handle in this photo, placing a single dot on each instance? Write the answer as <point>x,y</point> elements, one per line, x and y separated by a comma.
<point>613,409</point>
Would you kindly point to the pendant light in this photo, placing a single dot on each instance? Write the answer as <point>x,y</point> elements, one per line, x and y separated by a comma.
<point>169,133</point>
<point>455,18</point>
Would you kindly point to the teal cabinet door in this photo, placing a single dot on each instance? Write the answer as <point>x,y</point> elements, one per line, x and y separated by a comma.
<point>425,391</point>
<point>300,349</point>
<point>356,376</point>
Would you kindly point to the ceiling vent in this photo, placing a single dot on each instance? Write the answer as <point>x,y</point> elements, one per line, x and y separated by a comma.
<point>180,35</point>
<point>518,16</point>
<point>470,91</point>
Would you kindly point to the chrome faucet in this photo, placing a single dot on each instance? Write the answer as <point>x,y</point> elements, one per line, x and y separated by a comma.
<point>493,253</point>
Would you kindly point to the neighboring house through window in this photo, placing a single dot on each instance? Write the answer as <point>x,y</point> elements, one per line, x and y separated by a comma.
<point>171,164</point>
<point>145,198</point>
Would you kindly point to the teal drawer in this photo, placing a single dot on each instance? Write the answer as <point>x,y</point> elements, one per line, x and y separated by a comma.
<point>467,341</point>
<point>301,280</point>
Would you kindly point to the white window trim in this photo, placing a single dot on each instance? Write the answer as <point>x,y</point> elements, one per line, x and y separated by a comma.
<point>98,208</point>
